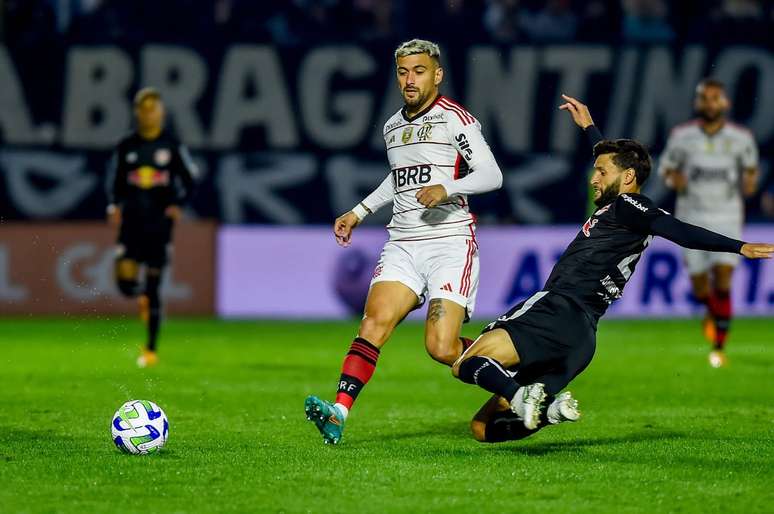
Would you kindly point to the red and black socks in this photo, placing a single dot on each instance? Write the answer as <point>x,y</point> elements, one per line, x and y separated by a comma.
<point>720,307</point>
<point>358,367</point>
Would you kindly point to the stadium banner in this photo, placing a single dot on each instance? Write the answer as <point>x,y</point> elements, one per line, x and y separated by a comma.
<point>67,268</point>
<point>275,272</point>
<point>293,135</point>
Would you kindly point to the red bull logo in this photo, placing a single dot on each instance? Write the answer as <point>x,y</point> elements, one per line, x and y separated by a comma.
<point>147,177</point>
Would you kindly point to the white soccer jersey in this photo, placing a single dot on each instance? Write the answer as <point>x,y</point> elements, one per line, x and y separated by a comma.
<point>713,165</point>
<point>440,145</point>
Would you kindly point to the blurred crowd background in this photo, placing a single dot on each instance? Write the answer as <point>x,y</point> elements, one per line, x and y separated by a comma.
<point>33,23</point>
<point>611,53</point>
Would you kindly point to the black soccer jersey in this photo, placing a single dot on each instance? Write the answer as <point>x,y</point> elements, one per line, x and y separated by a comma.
<point>595,267</point>
<point>151,175</point>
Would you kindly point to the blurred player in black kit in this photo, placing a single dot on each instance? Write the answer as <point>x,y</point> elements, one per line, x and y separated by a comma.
<point>531,353</point>
<point>153,179</point>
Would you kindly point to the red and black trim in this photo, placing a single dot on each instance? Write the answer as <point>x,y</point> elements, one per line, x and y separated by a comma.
<point>358,368</point>
<point>450,105</point>
<point>461,167</point>
<point>468,269</point>
<point>365,350</point>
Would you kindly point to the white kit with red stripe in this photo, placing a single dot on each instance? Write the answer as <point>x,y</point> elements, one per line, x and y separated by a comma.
<point>433,251</point>
<point>439,145</point>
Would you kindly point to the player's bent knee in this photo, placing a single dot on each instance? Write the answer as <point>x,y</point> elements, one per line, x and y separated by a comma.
<point>443,349</point>
<point>455,369</point>
<point>478,430</point>
<point>127,270</point>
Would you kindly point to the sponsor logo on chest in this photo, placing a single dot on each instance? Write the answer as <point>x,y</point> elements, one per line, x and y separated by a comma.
<point>590,223</point>
<point>411,175</point>
<point>425,132</point>
<point>147,177</point>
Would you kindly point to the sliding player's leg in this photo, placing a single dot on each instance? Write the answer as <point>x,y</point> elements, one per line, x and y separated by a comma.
<point>495,422</point>
<point>486,364</point>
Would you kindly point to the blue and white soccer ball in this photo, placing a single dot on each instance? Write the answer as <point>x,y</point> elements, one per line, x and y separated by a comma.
<point>139,427</point>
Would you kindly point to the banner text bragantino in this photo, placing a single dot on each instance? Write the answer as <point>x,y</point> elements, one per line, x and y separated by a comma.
<point>324,106</point>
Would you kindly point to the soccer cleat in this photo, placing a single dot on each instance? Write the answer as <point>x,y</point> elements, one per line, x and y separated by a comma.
<point>563,408</point>
<point>718,359</point>
<point>708,328</point>
<point>144,303</point>
<point>147,358</point>
<point>527,404</point>
<point>326,417</point>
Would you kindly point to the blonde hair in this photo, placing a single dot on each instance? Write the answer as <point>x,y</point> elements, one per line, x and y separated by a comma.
<point>418,46</point>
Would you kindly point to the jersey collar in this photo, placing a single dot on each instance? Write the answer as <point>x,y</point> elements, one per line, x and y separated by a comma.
<point>422,112</point>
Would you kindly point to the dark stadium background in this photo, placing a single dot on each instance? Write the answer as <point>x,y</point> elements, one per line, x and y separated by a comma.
<point>282,104</point>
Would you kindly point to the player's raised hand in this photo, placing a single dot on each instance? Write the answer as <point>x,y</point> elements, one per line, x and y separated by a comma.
<point>342,228</point>
<point>758,250</point>
<point>578,110</point>
<point>430,196</point>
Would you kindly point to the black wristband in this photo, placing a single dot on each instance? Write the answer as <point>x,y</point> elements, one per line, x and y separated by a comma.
<point>593,135</point>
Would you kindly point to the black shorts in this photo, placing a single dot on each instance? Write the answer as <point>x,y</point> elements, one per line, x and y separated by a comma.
<point>554,337</point>
<point>148,247</point>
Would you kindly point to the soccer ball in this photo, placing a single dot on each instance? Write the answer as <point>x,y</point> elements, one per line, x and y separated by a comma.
<point>140,427</point>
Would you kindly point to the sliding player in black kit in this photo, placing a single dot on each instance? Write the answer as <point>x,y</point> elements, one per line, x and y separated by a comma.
<point>528,355</point>
<point>153,179</point>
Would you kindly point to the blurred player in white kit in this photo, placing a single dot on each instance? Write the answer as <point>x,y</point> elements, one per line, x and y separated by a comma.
<point>437,157</point>
<point>712,164</point>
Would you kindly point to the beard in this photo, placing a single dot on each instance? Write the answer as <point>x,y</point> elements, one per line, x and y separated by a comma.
<point>609,194</point>
<point>710,117</point>
<point>413,102</point>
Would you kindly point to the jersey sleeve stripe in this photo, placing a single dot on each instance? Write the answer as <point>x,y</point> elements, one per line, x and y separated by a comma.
<point>459,107</point>
<point>463,115</point>
<point>465,118</point>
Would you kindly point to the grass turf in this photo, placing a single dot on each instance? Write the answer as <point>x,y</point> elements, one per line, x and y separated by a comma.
<point>661,430</point>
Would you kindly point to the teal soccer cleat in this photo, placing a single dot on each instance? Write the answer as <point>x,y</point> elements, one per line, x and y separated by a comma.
<point>326,417</point>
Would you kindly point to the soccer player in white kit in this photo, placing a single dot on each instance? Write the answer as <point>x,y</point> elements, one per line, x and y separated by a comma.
<point>437,157</point>
<point>712,164</point>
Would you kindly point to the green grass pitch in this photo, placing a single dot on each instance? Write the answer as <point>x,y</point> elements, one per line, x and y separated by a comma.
<point>661,431</point>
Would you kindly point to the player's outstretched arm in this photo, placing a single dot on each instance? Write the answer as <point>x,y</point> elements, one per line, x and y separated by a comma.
<point>344,224</point>
<point>698,238</point>
<point>638,213</point>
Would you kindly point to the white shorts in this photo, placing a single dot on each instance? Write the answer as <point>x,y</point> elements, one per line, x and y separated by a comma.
<point>437,268</point>
<point>699,261</point>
